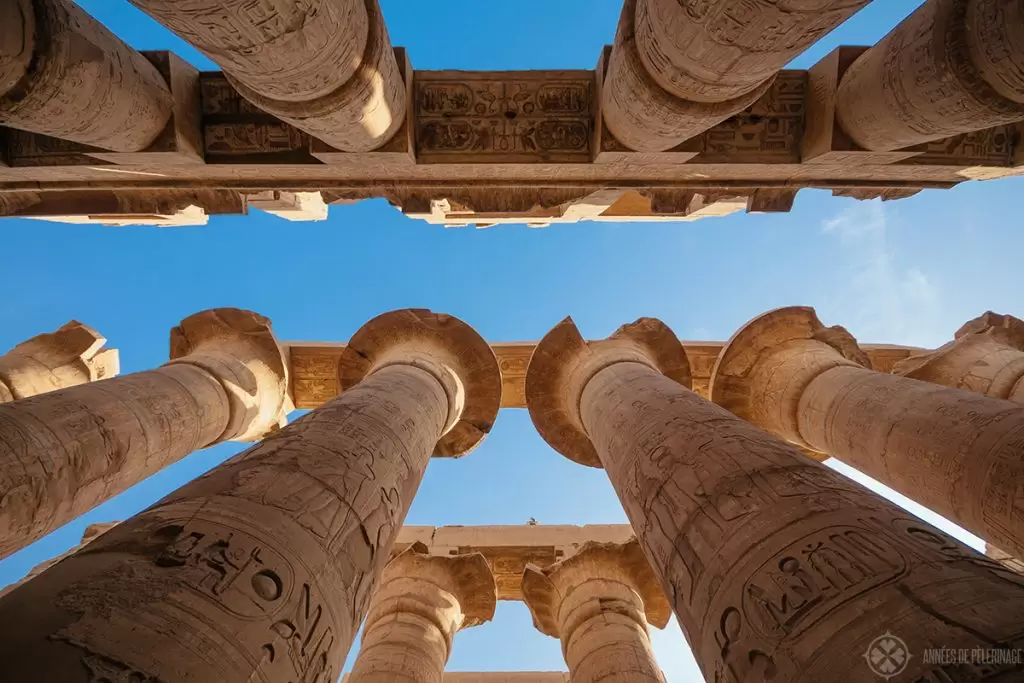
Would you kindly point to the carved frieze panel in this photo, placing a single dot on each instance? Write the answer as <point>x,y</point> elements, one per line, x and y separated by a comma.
<point>504,116</point>
<point>237,132</point>
<point>991,147</point>
<point>32,149</point>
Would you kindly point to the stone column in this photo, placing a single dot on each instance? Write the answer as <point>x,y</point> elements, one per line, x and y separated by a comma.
<point>985,356</point>
<point>951,67</point>
<point>325,66</point>
<point>421,603</point>
<point>955,452</point>
<point>91,533</point>
<point>776,567</point>
<point>598,603</point>
<point>680,67</point>
<point>262,569</point>
<point>65,452</point>
<point>63,74</point>
<point>72,355</point>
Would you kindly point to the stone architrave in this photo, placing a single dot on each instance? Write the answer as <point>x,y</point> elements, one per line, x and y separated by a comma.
<point>325,66</point>
<point>65,452</point>
<point>951,67</point>
<point>63,74</point>
<point>986,356</point>
<point>777,568</point>
<point>598,603</point>
<point>956,452</point>
<point>421,602</point>
<point>263,569</point>
<point>72,355</point>
<point>679,68</point>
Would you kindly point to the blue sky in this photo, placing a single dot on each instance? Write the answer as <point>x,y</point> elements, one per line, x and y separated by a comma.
<point>908,272</point>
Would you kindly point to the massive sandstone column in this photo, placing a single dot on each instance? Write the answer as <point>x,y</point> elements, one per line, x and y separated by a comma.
<point>777,568</point>
<point>985,356</point>
<point>955,452</point>
<point>422,601</point>
<point>65,452</point>
<point>325,66</point>
<point>680,67</point>
<point>598,602</point>
<point>63,74</point>
<point>72,355</point>
<point>951,67</point>
<point>262,569</point>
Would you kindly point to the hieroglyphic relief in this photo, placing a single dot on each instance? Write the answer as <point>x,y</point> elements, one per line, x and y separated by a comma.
<point>31,149</point>
<point>992,147</point>
<point>236,131</point>
<point>524,116</point>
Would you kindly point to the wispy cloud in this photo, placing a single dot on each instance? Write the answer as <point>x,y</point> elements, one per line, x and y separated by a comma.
<point>881,294</point>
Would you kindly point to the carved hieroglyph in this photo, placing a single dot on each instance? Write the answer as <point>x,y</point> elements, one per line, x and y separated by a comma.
<point>62,73</point>
<point>325,66</point>
<point>262,569</point>
<point>953,66</point>
<point>985,356</point>
<point>422,601</point>
<point>956,452</point>
<point>65,452</point>
<point>72,355</point>
<point>598,602</point>
<point>680,67</point>
<point>777,567</point>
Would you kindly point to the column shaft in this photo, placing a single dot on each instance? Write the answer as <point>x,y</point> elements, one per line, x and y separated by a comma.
<point>679,67</point>
<point>63,74</point>
<point>326,66</point>
<point>951,67</point>
<point>65,452</point>
<point>261,570</point>
<point>956,452</point>
<point>778,568</point>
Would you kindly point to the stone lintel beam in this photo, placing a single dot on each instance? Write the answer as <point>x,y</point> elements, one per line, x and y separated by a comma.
<point>986,356</point>
<point>422,601</point>
<point>267,563</point>
<point>678,69</point>
<point>327,67</point>
<point>776,567</point>
<point>72,355</point>
<point>956,452</point>
<point>64,452</point>
<point>63,74</point>
<point>598,603</point>
<point>951,67</point>
<point>313,367</point>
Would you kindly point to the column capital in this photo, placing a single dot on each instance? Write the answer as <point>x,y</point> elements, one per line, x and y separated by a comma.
<point>447,348</point>
<point>238,348</point>
<point>564,362</point>
<point>544,590</point>
<point>763,369</point>
<point>71,355</point>
<point>986,356</point>
<point>466,577</point>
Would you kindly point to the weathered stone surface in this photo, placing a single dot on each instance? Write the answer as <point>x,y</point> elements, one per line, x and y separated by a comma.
<point>953,66</point>
<point>65,452</point>
<point>985,356</point>
<point>422,601</point>
<point>91,533</point>
<point>598,603</point>
<point>72,355</point>
<point>63,74</point>
<point>326,67</point>
<point>263,568</point>
<point>776,567</point>
<point>956,452</point>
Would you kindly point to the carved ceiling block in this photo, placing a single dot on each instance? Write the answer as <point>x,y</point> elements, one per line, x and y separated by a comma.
<point>503,116</point>
<point>181,142</point>
<point>824,141</point>
<point>399,151</point>
<point>771,201</point>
